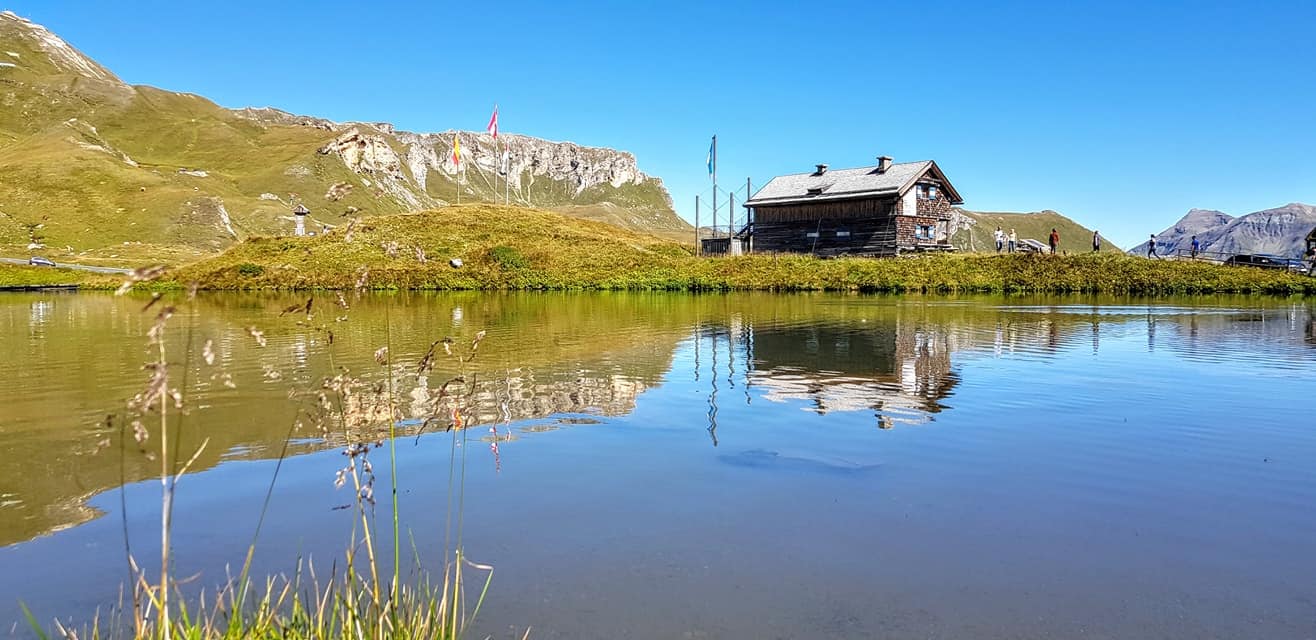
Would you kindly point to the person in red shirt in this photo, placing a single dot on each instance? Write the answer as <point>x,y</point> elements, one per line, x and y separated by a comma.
<point>1055,240</point>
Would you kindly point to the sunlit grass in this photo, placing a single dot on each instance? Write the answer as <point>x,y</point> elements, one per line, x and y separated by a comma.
<point>511,248</point>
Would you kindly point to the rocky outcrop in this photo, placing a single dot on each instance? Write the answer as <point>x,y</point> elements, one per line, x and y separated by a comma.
<point>1280,231</point>
<point>372,150</point>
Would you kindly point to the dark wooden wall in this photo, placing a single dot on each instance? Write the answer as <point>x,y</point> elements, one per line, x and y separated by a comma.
<point>847,209</point>
<point>870,237</point>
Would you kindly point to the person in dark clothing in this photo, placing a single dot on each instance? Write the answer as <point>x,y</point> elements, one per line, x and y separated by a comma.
<point>1096,241</point>
<point>1151,246</point>
<point>1196,245</point>
<point>1054,240</point>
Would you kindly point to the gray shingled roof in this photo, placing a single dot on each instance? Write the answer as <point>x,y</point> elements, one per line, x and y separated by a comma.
<point>839,184</point>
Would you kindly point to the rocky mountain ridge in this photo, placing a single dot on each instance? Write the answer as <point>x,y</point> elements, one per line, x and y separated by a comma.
<point>1280,231</point>
<point>93,167</point>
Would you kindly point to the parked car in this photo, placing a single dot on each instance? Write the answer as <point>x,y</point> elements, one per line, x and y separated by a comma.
<point>1259,260</point>
<point>38,261</point>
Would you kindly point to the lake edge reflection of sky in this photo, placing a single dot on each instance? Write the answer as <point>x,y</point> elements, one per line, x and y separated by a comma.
<point>913,466</point>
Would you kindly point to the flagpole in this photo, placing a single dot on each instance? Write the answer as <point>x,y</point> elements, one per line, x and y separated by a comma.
<point>714,185</point>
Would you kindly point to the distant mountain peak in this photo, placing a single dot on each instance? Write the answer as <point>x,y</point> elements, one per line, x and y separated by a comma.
<point>1200,220</point>
<point>58,55</point>
<point>1281,231</point>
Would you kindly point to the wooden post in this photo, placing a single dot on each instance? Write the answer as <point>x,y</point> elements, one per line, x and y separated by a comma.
<point>731,214</point>
<point>698,244</point>
<point>749,213</point>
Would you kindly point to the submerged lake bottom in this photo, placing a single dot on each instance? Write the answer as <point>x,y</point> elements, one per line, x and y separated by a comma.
<point>699,466</point>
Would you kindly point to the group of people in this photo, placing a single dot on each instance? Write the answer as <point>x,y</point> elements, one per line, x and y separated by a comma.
<point>1193,247</point>
<point>1053,241</point>
<point>1003,240</point>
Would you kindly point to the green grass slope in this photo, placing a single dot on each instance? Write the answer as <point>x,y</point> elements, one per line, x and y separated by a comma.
<point>518,248</point>
<point>1074,237</point>
<point>92,169</point>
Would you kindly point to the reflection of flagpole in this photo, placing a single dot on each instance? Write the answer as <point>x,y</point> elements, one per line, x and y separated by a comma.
<point>712,396</point>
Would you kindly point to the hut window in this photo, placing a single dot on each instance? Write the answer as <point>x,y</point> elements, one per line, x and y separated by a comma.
<point>811,234</point>
<point>932,192</point>
<point>924,231</point>
<point>842,233</point>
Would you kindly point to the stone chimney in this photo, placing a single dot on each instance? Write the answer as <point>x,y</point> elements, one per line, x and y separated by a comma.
<point>883,163</point>
<point>822,168</point>
<point>299,214</point>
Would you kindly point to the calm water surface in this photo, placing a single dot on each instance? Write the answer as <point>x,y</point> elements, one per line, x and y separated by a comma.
<point>717,466</point>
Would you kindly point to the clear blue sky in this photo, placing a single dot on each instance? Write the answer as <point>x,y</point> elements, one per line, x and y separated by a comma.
<point>1122,115</point>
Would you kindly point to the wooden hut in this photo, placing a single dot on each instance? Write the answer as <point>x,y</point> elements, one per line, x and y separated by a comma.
<point>882,210</point>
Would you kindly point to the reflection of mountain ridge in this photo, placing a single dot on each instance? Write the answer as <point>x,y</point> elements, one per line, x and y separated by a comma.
<point>568,362</point>
<point>66,360</point>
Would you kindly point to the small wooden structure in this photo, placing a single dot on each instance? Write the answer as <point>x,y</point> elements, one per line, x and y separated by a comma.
<point>1029,245</point>
<point>732,246</point>
<point>299,214</point>
<point>882,210</point>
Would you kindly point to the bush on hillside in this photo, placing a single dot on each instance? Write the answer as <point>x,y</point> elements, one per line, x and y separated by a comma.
<point>508,257</point>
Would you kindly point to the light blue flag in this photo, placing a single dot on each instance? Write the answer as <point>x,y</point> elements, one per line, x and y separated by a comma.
<point>712,157</point>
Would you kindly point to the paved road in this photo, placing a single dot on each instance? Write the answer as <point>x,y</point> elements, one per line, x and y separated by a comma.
<point>70,265</point>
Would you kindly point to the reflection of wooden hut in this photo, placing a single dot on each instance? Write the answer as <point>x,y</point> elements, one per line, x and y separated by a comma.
<point>888,368</point>
<point>299,213</point>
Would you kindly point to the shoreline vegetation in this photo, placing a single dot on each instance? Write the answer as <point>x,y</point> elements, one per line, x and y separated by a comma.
<point>512,248</point>
<point>378,587</point>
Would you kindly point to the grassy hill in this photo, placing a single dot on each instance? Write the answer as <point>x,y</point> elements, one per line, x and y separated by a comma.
<point>518,248</point>
<point>1074,237</point>
<point>501,247</point>
<point>95,170</point>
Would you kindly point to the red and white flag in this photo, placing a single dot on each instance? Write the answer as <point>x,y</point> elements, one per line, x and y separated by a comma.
<point>493,123</point>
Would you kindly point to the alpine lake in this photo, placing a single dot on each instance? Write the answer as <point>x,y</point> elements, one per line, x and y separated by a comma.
<point>694,466</point>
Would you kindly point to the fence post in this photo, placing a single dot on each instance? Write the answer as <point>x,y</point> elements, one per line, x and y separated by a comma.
<point>698,244</point>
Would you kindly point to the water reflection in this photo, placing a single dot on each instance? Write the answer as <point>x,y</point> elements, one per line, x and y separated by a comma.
<point>70,359</point>
<point>899,370</point>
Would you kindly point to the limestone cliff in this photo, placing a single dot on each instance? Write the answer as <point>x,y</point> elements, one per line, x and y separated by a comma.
<point>101,169</point>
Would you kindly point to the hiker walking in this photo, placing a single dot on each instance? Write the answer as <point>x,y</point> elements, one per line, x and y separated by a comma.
<point>1014,240</point>
<point>1054,240</point>
<point>1151,246</point>
<point>1000,239</point>
<point>1196,245</point>
<point>1096,241</point>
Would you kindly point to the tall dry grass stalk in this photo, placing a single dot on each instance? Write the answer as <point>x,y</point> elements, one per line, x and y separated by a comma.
<point>352,601</point>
